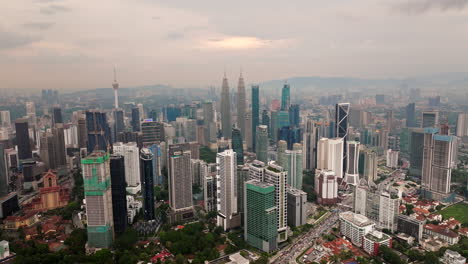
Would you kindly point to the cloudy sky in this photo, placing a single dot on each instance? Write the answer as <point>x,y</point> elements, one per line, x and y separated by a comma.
<point>74,44</point>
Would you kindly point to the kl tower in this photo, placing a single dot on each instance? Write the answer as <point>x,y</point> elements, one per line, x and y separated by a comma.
<point>115,85</point>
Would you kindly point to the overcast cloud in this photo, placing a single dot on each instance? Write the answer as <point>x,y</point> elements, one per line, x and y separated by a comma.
<point>66,44</point>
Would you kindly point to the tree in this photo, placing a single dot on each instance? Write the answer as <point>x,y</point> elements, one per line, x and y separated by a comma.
<point>126,240</point>
<point>431,258</point>
<point>76,242</point>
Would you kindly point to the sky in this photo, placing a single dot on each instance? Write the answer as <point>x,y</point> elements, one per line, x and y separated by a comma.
<point>75,44</point>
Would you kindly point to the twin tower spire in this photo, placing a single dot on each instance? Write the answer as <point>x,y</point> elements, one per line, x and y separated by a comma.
<point>226,122</point>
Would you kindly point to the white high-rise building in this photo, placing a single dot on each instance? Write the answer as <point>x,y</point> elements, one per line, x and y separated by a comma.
<point>71,135</point>
<point>370,165</point>
<point>227,196</point>
<point>276,175</point>
<point>180,179</point>
<point>330,155</point>
<point>352,160</point>
<point>392,158</point>
<point>462,125</point>
<point>355,227</point>
<point>132,161</point>
<point>256,170</point>
<point>388,211</point>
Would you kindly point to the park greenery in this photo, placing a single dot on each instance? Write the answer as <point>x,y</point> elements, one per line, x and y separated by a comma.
<point>207,155</point>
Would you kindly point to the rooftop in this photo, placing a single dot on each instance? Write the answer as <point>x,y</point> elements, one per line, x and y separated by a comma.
<point>356,219</point>
<point>441,230</point>
<point>377,236</point>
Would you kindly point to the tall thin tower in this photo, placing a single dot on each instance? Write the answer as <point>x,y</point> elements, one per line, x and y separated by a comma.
<point>241,105</point>
<point>115,85</point>
<point>226,110</point>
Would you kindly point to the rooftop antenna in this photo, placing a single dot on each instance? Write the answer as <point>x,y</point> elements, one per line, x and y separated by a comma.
<point>115,85</point>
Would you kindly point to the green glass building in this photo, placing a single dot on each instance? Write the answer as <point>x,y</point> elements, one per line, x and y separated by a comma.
<point>260,218</point>
<point>285,97</point>
<point>262,143</point>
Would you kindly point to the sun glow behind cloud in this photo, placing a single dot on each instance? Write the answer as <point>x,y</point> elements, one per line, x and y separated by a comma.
<point>237,43</point>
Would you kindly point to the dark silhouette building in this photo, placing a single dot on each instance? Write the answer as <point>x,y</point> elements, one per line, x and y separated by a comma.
<point>57,115</point>
<point>119,125</point>
<point>22,139</point>
<point>294,118</point>
<point>237,145</point>
<point>99,136</point>
<point>411,115</point>
<point>119,199</point>
<point>255,114</point>
<point>146,165</point>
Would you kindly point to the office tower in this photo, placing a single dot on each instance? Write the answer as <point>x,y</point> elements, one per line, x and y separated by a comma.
<point>210,190</point>
<point>31,113</point>
<point>260,218</point>
<point>262,143</point>
<point>274,125</point>
<point>430,119</point>
<point>297,207</point>
<point>98,195</point>
<point>46,150</point>
<point>241,178</point>
<point>208,112</point>
<point>326,187</point>
<point>200,169</point>
<point>352,173</point>
<point>434,101</point>
<point>411,226</point>
<point>383,139</point>
<point>119,194</point>
<point>416,151</point>
<point>370,165</point>
<point>330,155</point>
<point>130,153</point>
<point>355,117</point>
<point>276,175</point>
<point>355,227</point>
<point>281,153</point>
<point>373,240</point>
<point>59,145</point>
<point>5,120</point>
<point>341,119</point>
<point>255,114</point>
<point>158,178</point>
<point>388,211</point>
<point>392,158</point>
<point>237,145</point>
<point>390,120</point>
<point>266,119</point>
<point>228,216</point>
<point>115,86</point>
<point>152,132</point>
<point>438,160</point>
<point>411,115</point>
<point>22,139</point>
<point>57,115</point>
<point>241,105</point>
<point>285,97</point>
<point>309,146</point>
<point>462,125</point>
<point>146,168</point>
<point>226,124</point>
<point>293,166</point>
<point>141,111</point>
<point>135,119</point>
<point>379,99</point>
<point>119,125</point>
<point>4,181</point>
<point>294,118</point>
<point>282,119</point>
<point>256,170</point>
<point>98,130</point>
<point>180,178</point>
<point>82,133</point>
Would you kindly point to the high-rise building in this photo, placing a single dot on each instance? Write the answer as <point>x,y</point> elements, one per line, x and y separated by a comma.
<point>256,170</point>
<point>255,114</point>
<point>355,227</point>
<point>31,113</point>
<point>119,194</point>
<point>59,144</point>
<point>119,124</point>
<point>82,133</point>
<point>99,136</point>
<point>274,125</point>
<point>326,187</point>
<point>373,240</point>
<point>390,120</point>
<point>392,158</point>
<point>388,211</point>
<point>57,115</point>
<point>297,207</point>
<point>292,163</point>
<point>228,215</point>
<point>266,119</point>
<point>276,175</point>
<point>5,120</point>
<point>248,131</point>
<point>115,86</point>
<point>98,195</point>
<point>294,117</point>
<point>416,151</point>
<point>158,178</point>
<point>260,218</point>
<point>136,119</point>
<point>226,124</point>
<point>130,152</point>
<point>22,139</point>
<point>237,145</point>
<point>430,119</point>
<point>209,193</point>
<point>285,97</point>
<point>341,119</point>
<point>439,157</point>
<point>4,179</point>
<point>146,164</point>
<point>352,172</point>
<point>330,155</point>
<point>462,125</point>
<point>262,143</point>
<point>180,178</point>
<point>290,134</point>
<point>370,165</point>
<point>241,105</point>
<point>309,146</point>
<point>152,132</point>
<point>411,115</point>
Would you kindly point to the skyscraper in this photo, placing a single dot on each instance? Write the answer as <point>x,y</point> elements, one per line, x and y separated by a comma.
<point>388,211</point>
<point>152,132</point>
<point>119,194</point>
<point>57,115</point>
<point>262,143</point>
<point>136,119</point>
<point>462,125</point>
<point>146,164</point>
<point>241,105</point>
<point>285,97</point>
<point>352,173</point>
<point>370,165</point>
<point>411,115</point>
<point>98,195</point>
<point>430,119</point>
<point>416,151</point>
<point>99,136</point>
<point>309,146</point>
<point>5,120</point>
<point>248,131</point>
<point>237,145</point>
<point>291,161</point>
<point>330,155</point>
<point>130,153</point>
<point>119,124</point>
<point>226,124</point>
<point>260,218</point>
<point>294,118</point>
<point>326,187</point>
<point>228,215</point>
<point>341,119</point>
<point>255,114</point>
<point>22,139</point>
<point>4,181</point>
<point>276,175</point>
<point>180,180</point>
<point>59,145</point>
<point>265,119</point>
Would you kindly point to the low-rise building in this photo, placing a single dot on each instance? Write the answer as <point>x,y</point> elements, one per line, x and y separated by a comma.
<point>410,226</point>
<point>355,227</point>
<point>453,257</point>
<point>441,232</point>
<point>433,243</point>
<point>26,220</point>
<point>373,240</point>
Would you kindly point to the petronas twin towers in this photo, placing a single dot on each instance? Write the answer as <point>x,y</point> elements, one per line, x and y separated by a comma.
<point>226,122</point>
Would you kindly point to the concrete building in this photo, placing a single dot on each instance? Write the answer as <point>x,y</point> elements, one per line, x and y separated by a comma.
<point>276,175</point>
<point>98,196</point>
<point>260,217</point>
<point>355,227</point>
<point>410,226</point>
<point>146,169</point>
<point>352,160</point>
<point>326,187</point>
<point>227,194</point>
<point>256,170</point>
<point>309,146</point>
<point>210,193</point>
<point>297,207</point>
<point>330,155</point>
<point>241,105</point>
<point>291,161</point>
<point>453,257</point>
<point>262,143</point>
<point>152,132</point>
<point>226,124</point>
<point>373,240</point>
<point>430,119</point>
<point>131,155</point>
<point>462,125</point>
<point>392,158</point>
<point>388,211</point>
<point>441,232</point>
<point>370,165</point>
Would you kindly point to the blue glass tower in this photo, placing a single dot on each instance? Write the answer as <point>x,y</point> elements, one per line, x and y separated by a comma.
<point>98,130</point>
<point>294,117</point>
<point>285,97</point>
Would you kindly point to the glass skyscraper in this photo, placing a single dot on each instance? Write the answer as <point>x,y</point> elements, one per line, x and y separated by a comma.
<point>285,97</point>
<point>255,114</point>
<point>237,145</point>
<point>119,194</point>
<point>146,164</point>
